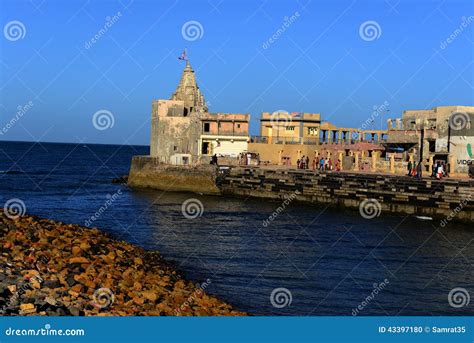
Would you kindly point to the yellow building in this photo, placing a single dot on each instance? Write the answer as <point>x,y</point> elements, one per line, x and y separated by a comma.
<point>290,128</point>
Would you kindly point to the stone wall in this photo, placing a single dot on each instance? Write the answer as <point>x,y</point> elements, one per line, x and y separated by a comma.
<point>148,172</point>
<point>438,199</point>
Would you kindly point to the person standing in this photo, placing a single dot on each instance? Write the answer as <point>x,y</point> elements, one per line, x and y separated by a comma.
<point>440,171</point>
<point>410,165</point>
<point>307,162</point>
<point>418,170</point>
<point>434,169</point>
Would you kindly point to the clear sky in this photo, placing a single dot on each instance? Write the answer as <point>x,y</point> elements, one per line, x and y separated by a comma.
<point>411,55</point>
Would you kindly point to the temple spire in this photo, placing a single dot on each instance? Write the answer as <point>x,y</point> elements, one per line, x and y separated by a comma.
<point>188,91</point>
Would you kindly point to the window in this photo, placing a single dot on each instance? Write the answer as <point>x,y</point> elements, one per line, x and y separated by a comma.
<point>290,128</point>
<point>207,127</point>
<point>238,126</point>
<point>175,148</point>
<point>312,131</point>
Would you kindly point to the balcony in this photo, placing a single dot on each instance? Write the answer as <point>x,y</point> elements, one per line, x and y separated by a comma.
<point>224,133</point>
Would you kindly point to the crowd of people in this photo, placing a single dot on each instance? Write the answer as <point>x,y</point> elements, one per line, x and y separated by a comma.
<point>246,159</point>
<point>318,163</point>
<point>439,170</point>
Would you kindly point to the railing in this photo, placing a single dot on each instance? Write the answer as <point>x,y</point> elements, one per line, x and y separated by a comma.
<point>307,140</point>
<point>259,139</point>
<point>225,133</point>
<point>311,140</point>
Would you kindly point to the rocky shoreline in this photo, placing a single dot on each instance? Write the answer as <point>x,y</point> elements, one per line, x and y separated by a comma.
<point>51,268</point>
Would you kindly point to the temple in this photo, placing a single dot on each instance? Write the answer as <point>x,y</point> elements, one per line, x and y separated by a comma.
<point>183,131</point>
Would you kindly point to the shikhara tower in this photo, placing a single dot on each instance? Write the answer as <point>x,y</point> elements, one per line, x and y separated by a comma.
<point>189,92</point>
<point>176,125</point>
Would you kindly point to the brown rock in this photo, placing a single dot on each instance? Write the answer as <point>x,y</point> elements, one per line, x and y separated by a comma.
<point>27,309</point>
<point>78,260</point>
<point>138,300</point>
<point>84,246</point>
<point>28,306</point>
<point>149,295</point>
<point>50,301</point>
<point>76,251</point>
<point>77,288</point>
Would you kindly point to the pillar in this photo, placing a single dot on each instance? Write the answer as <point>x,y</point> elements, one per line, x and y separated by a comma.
<point>356,163</point>
<point>280,155</point>
<point>452,166</point>
<point>375,156</point>
<point>392,163</point>
<point>329,138</point>
<point>430,164</point>
<point>340,158</point>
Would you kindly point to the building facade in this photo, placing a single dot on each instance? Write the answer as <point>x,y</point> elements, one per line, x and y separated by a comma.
<point>285,137</point>
<point>442,134</point>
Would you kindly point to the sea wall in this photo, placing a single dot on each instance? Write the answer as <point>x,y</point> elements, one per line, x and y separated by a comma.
<point>453,199</point>
<point>148,172</point>
<point>449,198</point>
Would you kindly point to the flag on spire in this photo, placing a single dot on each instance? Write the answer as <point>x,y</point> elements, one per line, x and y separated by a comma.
<point>184,56</point>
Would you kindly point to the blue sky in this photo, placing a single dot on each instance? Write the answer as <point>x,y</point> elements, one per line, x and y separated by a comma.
<point>321,62</point>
